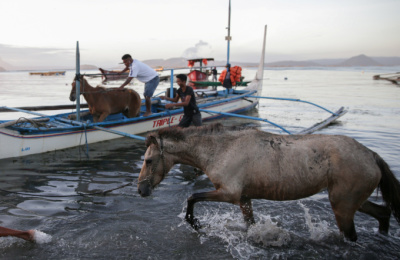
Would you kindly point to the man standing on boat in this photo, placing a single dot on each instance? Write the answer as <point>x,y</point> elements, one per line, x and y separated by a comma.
<point>190,109</point>
<point>214,74</point>
<point>144,74</point>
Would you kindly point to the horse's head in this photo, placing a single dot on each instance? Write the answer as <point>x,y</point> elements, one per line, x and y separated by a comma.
<point>156,165</point>
<point>72,95</point>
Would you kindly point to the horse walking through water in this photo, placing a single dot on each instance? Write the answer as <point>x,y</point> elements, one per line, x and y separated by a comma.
<point>103,102</point>
<point>245,164</point>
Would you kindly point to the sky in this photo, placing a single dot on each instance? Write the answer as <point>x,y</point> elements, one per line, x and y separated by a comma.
<point>45,32</point>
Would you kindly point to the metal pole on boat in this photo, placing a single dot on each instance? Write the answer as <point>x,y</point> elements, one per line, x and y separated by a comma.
<point>228,38</point>
<point>171,91</point>
<point>77,82</point>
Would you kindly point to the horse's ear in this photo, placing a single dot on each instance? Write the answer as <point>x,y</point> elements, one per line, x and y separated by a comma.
<point>150,139</point>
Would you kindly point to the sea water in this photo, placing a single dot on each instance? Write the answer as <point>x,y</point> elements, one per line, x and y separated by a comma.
<point>123,225</point>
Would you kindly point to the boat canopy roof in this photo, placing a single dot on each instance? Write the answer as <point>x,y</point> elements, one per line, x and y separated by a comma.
<point>200,59</point>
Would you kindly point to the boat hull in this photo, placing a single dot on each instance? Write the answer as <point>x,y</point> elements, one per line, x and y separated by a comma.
<point>16,144</point>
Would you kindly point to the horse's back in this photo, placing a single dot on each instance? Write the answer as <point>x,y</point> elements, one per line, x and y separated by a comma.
<point>115,100</point>
<point>287,167</point>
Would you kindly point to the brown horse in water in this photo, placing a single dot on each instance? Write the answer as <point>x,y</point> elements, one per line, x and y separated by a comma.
<point>245,164</point>
<point>103,102</point>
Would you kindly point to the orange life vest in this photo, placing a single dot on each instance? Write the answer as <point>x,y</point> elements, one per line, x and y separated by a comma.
<point>236,74</point>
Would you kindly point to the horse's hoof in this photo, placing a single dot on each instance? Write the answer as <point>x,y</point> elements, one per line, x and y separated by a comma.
<point>194,222</point>
<point>384,226</point>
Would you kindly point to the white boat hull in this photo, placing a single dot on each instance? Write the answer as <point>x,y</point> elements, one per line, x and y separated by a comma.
<point>14,144</point>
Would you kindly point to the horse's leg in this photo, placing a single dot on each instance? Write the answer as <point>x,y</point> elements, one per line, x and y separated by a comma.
<point>381,213</point>
<point>344,208</point>
<point>95,118</point>
<point>215,195</point>
<point>247,210</point>
<point>102,116</point>
<point>127,113</point>
<point>345,221</point>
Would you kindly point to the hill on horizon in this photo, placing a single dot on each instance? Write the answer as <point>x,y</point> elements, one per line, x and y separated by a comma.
<point>360,61</point>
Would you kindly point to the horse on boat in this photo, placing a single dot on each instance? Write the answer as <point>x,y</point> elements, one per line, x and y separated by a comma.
<point>246,163</point>
<point>105,101</point>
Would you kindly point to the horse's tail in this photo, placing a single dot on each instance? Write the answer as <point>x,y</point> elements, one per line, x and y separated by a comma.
<point>389,186</point>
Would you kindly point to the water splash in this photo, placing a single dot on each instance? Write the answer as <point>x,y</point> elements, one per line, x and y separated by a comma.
<point>268,233</point>
<point>318,229</point>
<point>41,237</point>
<point>241,242</point>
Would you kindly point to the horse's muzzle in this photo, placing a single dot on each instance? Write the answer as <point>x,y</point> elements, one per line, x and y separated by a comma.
<point>72,98</point>
<point>144,189</point>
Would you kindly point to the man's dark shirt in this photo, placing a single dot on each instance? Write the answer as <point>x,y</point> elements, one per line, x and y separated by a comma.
<point>191,108</point>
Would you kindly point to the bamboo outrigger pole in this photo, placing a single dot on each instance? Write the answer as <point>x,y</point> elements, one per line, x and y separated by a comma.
<point>77,82</point>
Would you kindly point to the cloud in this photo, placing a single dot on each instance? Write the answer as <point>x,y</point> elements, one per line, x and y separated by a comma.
<point>200,50</point>
<point>24,57</point>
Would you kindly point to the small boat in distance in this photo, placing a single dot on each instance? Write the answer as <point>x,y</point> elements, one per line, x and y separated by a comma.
<point>198,74</point>
<point>392,77</point>
<point>159,68</point>
<point>48,73</point>
<point>112,75</point>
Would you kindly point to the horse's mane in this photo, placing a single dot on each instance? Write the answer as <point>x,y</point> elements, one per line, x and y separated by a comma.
<point>180,134</point>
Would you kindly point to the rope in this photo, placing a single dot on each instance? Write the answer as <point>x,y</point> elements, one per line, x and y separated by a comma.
<point>34,123</point>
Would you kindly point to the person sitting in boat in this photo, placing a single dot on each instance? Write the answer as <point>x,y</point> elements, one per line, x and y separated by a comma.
<point>27,235</point>
<point>190,109</point>
<point>144,74</point>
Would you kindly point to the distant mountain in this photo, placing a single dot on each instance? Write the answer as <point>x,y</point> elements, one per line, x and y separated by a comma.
<point>5,66</point>
<point>293,64</point>
<point>88,67</point>
<point>360,60</point>
<point>388,61</point>
<point>328,62</point>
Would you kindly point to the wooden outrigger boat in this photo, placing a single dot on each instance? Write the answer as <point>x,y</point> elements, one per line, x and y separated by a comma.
<point>392,77</point>
<point>199,76</point>
<point>200,73</point>
<point>49,133</point>
<point>108,75</point>
<point>48,73</point>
